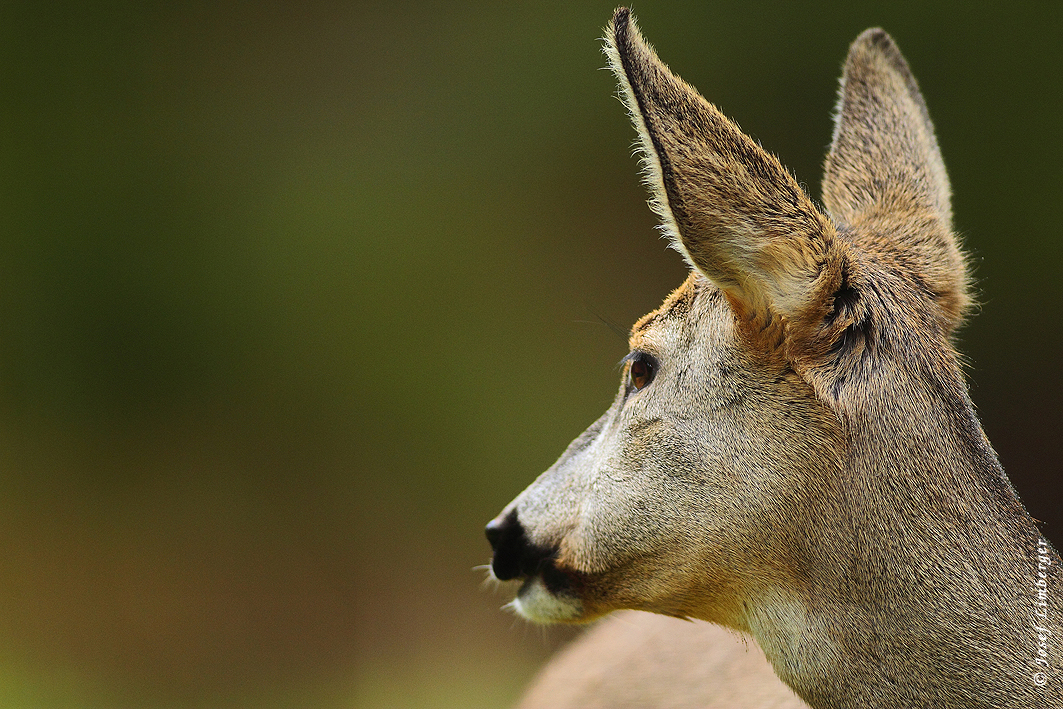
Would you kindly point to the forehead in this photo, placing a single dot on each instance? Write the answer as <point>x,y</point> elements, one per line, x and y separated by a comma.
<point>675,309</point>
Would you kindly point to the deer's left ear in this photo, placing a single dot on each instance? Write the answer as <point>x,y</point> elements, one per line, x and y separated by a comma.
<point>884,174</point>
<point>731,208</point>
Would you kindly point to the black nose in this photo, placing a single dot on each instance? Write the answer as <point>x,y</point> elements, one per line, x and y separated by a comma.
<point>514,554</point>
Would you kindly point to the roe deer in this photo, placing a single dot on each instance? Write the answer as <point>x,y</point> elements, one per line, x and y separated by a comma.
<point>634,660</point>
<point>793,453</point>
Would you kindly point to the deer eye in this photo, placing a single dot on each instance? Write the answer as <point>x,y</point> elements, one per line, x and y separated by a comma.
<point>640,373</point>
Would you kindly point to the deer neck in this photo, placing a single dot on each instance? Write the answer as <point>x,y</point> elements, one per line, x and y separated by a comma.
<point>926,583</point>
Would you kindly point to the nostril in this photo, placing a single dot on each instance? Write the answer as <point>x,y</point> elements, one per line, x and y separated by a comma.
<point>506,536</point>
<point>515,555</point>
<point>494,534</point>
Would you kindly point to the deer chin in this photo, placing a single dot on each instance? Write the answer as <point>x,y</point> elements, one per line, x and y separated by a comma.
<point>538,603</point>
<point>554,596</point>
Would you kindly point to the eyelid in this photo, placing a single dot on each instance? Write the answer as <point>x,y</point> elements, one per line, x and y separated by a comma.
<point>635,354</point>
<point>650,365</point>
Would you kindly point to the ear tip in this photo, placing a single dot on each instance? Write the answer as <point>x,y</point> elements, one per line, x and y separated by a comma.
<point>877,43</point>
<point>874,37</point>
<point>620,28</point>
<point>875,51</point>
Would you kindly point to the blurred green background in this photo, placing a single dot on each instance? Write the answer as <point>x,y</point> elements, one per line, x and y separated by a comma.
<point>294,297</point>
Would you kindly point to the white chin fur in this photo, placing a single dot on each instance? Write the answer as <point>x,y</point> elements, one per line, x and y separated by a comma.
<point>534,602</point>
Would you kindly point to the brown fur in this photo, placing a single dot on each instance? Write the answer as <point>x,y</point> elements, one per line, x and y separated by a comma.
<point>806,465</point>
<point>637,660</point>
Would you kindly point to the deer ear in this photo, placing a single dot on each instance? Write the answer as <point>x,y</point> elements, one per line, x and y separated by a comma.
<point>729,207</point>
<point>884,174</point>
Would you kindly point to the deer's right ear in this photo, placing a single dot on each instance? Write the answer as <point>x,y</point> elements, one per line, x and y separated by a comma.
<point>732,209</point>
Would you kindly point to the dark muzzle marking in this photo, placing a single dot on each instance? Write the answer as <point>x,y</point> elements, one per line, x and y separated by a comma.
<point>515,556</point>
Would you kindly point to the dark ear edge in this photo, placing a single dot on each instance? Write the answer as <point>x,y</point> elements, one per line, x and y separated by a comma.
<point>618,50</point>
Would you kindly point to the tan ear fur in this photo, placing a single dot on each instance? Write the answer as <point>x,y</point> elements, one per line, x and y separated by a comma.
<point>884,175</point>
<point>731,208</point>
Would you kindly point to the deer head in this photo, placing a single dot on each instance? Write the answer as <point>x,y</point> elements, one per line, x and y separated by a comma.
<point>792,451</point>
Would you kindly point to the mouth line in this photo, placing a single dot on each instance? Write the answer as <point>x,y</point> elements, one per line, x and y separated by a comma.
<point>539,603</point>
<point>556,581</point>
<point>526,583</point>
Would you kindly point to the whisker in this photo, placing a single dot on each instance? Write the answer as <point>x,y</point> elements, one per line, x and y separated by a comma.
<point>619,331</point>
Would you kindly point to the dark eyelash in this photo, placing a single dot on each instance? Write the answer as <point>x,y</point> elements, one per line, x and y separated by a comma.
<point>632,356</point>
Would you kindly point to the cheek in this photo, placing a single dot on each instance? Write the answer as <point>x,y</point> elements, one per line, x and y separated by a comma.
<point>632,515</point>
<point>648,552</point>
<point>641,494</point>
